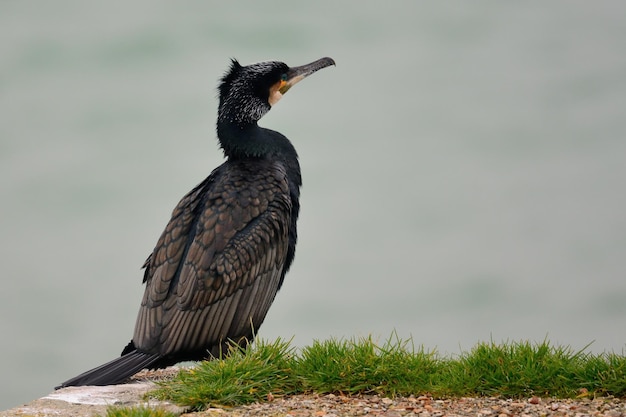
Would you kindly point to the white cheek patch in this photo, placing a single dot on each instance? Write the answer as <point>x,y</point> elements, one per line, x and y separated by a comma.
<point>275,95</point>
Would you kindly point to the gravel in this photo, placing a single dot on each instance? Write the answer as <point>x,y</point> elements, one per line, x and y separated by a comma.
<point>422,406</point>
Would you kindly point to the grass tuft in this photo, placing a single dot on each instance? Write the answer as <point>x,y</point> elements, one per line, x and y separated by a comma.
<point>523,369</point>
<point>395,368</point>
<point>517,369</point>
<point>138,412</point>
<point>244,376</point>
<point>361,366</point>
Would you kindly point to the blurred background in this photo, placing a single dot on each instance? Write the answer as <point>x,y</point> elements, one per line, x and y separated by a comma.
<point>464,169</point>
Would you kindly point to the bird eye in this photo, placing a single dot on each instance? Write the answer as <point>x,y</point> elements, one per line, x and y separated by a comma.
<point>283,77</point>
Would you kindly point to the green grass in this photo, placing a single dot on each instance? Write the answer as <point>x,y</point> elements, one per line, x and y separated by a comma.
<point>395,368</point>
<point>362,366</point>
<point>245,376</point>
<point>138,412</point>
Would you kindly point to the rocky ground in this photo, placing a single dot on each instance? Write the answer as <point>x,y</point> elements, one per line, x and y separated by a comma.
<point>92,401</point>
<point>425,406</point>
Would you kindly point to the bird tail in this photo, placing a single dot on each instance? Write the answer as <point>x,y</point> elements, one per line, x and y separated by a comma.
<point>114,372</point>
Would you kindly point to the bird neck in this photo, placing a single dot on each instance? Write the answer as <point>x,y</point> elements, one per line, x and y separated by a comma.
<point>249,140</point>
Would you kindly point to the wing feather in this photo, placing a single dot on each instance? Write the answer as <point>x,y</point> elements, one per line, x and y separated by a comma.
<point>217,266</point>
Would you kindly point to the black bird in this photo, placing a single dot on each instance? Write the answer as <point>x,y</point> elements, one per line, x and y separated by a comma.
<point>230,241</point>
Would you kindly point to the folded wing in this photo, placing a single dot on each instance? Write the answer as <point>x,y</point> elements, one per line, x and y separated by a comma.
<point>219,263</point>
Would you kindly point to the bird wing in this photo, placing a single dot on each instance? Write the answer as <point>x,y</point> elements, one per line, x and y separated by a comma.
<point>219,262</point>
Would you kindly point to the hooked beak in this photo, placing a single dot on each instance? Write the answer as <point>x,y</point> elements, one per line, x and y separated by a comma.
<point>296,74</point>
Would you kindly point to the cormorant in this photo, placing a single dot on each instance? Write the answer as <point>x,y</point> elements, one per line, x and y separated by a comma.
<point>224,254</point>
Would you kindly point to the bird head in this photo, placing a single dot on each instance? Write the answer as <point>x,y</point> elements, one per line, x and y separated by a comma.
<point>248,92</point>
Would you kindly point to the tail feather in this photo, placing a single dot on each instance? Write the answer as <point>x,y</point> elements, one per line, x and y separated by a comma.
<point>114,372</point>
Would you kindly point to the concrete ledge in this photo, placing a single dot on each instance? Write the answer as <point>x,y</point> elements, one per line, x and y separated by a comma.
<point>89,401</point>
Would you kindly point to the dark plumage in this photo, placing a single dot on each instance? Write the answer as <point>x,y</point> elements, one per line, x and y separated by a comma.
<point>224,254</point>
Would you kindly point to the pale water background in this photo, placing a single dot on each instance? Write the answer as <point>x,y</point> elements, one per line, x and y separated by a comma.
<point>464,169</point>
